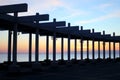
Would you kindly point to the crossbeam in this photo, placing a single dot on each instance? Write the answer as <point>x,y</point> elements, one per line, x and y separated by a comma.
<point>14,8</point>
<point>67,29</point>
<point>31,18</point>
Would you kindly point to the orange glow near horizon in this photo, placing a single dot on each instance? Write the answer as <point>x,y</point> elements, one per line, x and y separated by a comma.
<point>23,45</point>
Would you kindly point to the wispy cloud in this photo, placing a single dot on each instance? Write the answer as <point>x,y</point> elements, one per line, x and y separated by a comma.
<point>44,6</point>
<point>104,6</point>
<point>101,18</point>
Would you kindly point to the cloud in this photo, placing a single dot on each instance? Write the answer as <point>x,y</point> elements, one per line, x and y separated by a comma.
<point>104,6</point>
<point>44,6</point>
<point>115,14</point>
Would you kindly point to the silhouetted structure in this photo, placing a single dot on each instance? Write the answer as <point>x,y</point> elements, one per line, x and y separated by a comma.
<point>31,25</point>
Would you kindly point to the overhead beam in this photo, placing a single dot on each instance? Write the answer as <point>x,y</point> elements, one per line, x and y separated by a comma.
<point>32,18</point>
<point>14,8</point>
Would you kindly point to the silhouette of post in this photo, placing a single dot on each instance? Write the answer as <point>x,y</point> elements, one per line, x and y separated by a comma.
<point>15,39</point>
<point>119,49</point>
<point>103,46</point>
<point>68,43</point>
<point>37,42</point>
<point>99,49</point>
<point>93,51</point>
<point>30,47</point>
<point>81,49</point>
<point>75,49</point>
<point>9,45</point>
<point>87,49</point>
<point>62,48</point>
<point>37,45</point>
<point>54,43</point>
<point>47,47</point>
<point>114,47</point>
<point>110,50</point>
<point>81,45</point>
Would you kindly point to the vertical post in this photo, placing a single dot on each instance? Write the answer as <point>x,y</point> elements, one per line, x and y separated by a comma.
<point>99,49</point>
<point>15,40</point>
<point>93,56</point>
<point>9,45</point>
<point>119,49</point>
<point>81,45</point>
<point>110,50</point>
<point>93,51</point>
<point>104,50</point>
<point>114,55</point>
<point>75,49</point>
<point>103,47</point>
<point>47,47</point>
<point>37,46</point>
<point>54,47</point>
<point>113,47</point>
<point>81,49</point>
<point>87,49</point>
<point>62,43</point>
<point>68,43</point>
<point>37,42</point>
<point>30,47</point>
<point>54,43</point>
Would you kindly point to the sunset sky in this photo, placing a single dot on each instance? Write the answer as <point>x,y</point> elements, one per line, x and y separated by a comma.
<point>98,14</point>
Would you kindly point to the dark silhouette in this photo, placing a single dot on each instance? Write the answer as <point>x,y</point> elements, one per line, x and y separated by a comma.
<point>57,29</point>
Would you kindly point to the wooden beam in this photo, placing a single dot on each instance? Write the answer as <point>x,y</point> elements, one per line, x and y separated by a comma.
<point>32,18</point>
<point>14,8</point>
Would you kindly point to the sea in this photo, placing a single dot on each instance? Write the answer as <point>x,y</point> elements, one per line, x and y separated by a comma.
<point>23,57</point>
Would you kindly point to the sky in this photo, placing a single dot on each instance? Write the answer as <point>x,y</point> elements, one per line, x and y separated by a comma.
<point>98,14</point>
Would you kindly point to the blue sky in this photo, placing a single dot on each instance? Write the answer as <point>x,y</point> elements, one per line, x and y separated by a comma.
<point>98,14</point>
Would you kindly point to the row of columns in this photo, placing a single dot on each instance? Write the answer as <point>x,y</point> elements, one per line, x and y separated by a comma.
<point>54,48</point>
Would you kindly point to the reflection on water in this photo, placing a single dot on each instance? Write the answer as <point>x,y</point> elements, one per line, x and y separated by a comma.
<point>24,57</point>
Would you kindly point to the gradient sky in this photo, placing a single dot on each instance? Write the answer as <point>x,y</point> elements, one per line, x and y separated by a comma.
<point>98,14</point>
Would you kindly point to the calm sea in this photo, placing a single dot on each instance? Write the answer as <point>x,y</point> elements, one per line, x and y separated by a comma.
<point>24,56</point>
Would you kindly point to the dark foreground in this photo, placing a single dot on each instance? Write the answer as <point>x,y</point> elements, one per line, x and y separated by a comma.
<point>69,71</point>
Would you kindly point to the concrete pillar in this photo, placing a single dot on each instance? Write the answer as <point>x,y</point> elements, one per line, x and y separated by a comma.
<point>9,45</point>
<point>30,47</point>
<point>15,40</point>
<point>62,48</point>
<point>81,45</point>
<point>87,49</point>
<point>54,47</point>
<point>114,48</point>
<point>37,42</point>
<point>75,49</point>
<point>54,43</point>
<point>37,46</point>
<point>93,49</point>
<point>99,49</point>
<point>110,50</point>
<point>103,46</point>
<point>47,47</point>
<point>103,49</point>
<point>114,55</point>
<point>119,49</point>
<point>81,49</point>
<point>68,43</point>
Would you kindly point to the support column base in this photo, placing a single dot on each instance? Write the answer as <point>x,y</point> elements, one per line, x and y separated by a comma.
<point>14,68</point>
<point>36,67</point>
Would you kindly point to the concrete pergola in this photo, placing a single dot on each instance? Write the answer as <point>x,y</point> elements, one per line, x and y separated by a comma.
<point>57,29</point>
